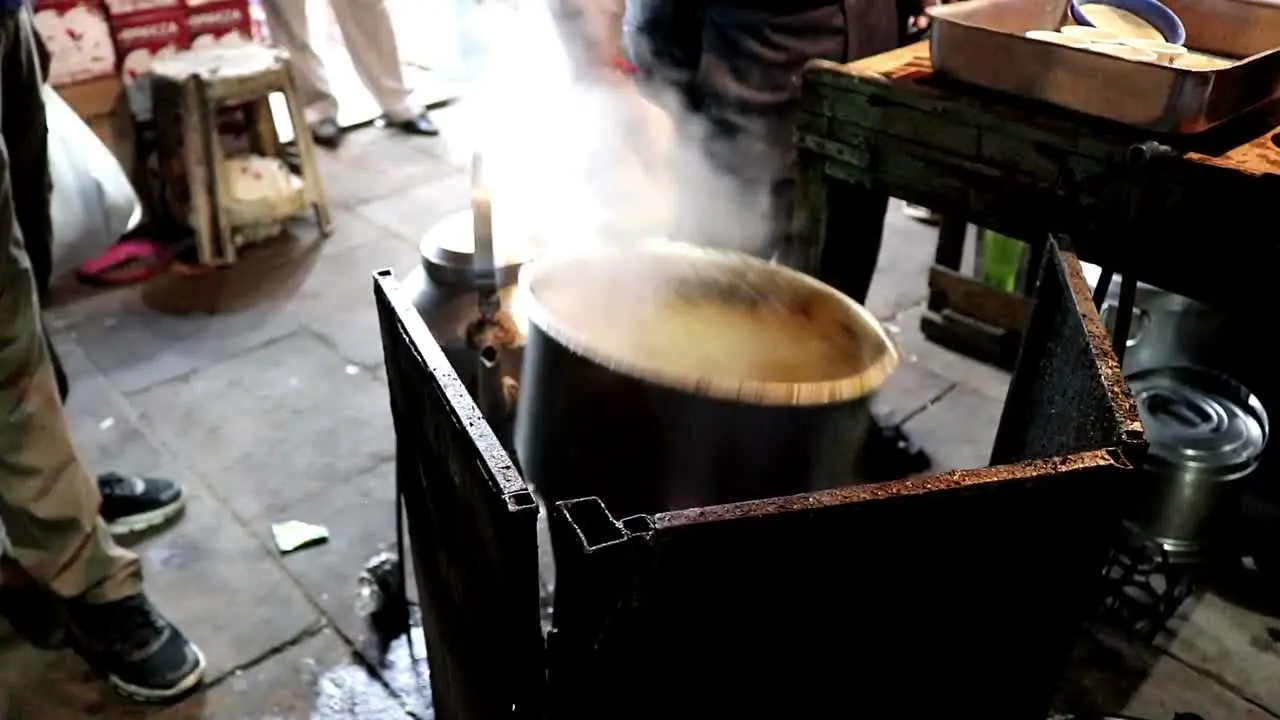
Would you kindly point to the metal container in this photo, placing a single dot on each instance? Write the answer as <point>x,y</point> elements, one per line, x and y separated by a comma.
<point>1167,329</point>
<point>1206,432</point>
<point>677,427</point>
<point>981,42</point>
<point>447,290</point>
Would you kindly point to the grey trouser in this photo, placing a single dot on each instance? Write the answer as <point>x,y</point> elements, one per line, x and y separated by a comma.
<point>742,73</point>
<point>371,42</point>
<point>48,501</point>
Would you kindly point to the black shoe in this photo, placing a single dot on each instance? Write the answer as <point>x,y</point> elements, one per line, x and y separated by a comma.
<point>37,615</point>
<point>132,504</point>
<point>419,124</point>
<point>890,455</point>
<point>327,133</point>
<point>142,654</point>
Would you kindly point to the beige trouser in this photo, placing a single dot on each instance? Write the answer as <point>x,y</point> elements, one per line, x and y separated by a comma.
<point>48,501</point>
<point>371,42</point>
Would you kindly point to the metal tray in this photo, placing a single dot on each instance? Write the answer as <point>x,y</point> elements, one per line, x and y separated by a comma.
<point>981,42</point>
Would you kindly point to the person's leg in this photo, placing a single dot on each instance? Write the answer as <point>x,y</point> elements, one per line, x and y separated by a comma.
<point>31,198</point>
<point>665,42</point>
<point>371,42</point>
<point>287,23</point>
<point>855,230</point>
<point>129,504</point>
<point>747,78</point>
<point>747,86</point>
<point>48,502</point>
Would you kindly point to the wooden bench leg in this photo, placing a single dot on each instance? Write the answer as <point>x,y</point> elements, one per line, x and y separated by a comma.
<point>307,157</point>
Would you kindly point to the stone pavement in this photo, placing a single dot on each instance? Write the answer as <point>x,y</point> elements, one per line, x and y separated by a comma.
<point>261,388</point>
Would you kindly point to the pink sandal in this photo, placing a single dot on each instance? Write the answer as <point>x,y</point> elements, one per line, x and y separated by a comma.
<point>128,262</point>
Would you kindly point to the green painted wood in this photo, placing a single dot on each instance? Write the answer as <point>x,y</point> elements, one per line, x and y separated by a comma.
<point>1025,169</point>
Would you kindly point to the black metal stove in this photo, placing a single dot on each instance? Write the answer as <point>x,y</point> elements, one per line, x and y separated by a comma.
<point>957,593</point>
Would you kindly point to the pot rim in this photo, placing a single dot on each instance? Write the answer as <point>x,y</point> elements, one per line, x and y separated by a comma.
<point>759,392</point>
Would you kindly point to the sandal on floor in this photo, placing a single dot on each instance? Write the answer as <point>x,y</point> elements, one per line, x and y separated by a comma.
<point>128,262</point>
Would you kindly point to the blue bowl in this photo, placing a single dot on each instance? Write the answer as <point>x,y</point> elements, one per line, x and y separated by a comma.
<point>1151,11</point>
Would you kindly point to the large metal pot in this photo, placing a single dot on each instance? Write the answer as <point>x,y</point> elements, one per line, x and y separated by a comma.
<point>667,377</point>
<point>1206,433</point>
<point>1167,329</point>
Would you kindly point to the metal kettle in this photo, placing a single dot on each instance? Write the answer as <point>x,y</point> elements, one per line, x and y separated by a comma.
<point>464,289</point>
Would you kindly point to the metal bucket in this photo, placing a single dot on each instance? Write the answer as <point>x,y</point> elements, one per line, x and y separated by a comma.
<point>672,377</point>
<point>1206,433</point>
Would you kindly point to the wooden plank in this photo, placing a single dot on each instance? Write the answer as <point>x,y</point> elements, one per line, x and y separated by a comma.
<point>972,299</point>
<point>1248,145</point>
<point>850,153</point>
<point>991,345</point>
<point>913,85</point>
<point>897,120</point>
<point>971,110</point>
<point>815,125</point>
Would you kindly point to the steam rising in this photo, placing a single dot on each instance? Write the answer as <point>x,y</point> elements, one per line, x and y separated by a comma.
<point>570,161</point>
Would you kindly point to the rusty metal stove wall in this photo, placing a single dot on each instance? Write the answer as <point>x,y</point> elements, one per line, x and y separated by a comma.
<point>471,524</point>
<point>940,595</point>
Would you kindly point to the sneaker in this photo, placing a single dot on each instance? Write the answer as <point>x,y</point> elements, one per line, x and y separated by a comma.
<point>327,133</point>
<point>142,654</point>
<point>132,504</point>
<point>419,124</point>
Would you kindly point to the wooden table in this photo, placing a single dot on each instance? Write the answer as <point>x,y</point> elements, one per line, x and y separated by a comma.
<point>1183,213</point>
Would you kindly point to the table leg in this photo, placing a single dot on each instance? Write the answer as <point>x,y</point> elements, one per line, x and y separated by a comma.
<point>951,237</point>
<point>809,225</point>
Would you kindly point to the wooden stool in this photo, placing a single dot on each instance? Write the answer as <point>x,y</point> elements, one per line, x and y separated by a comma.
<point>192,91</point>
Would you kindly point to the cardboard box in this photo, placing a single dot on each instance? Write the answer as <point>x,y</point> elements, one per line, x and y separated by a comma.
<point>225,22</point>
<point>120,8</point>
<point>140,39</point>
<point>78,37</point>
<point>100,103</point>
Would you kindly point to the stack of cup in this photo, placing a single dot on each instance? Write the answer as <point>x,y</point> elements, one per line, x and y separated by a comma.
<point>1108,43</point>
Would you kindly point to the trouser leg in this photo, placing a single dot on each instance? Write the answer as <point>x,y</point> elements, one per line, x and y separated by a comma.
<point>48,501</point>
<point>32,188</point>
<point>747,85</point>
<point>748,78</point>
<point>371,42</point>
<point>855,230</point>
<point>287,21</point>
<point>665,42</point>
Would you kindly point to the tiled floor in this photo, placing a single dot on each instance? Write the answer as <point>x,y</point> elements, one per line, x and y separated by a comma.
<point>260,387</point>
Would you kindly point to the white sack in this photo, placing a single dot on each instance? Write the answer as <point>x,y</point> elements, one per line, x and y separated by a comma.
<point>93,203</point>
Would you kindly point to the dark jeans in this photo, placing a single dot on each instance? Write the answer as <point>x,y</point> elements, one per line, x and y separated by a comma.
<point>739,69</point>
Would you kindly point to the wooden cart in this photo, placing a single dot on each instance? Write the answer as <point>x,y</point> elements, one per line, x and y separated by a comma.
<point>1180,212</point>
